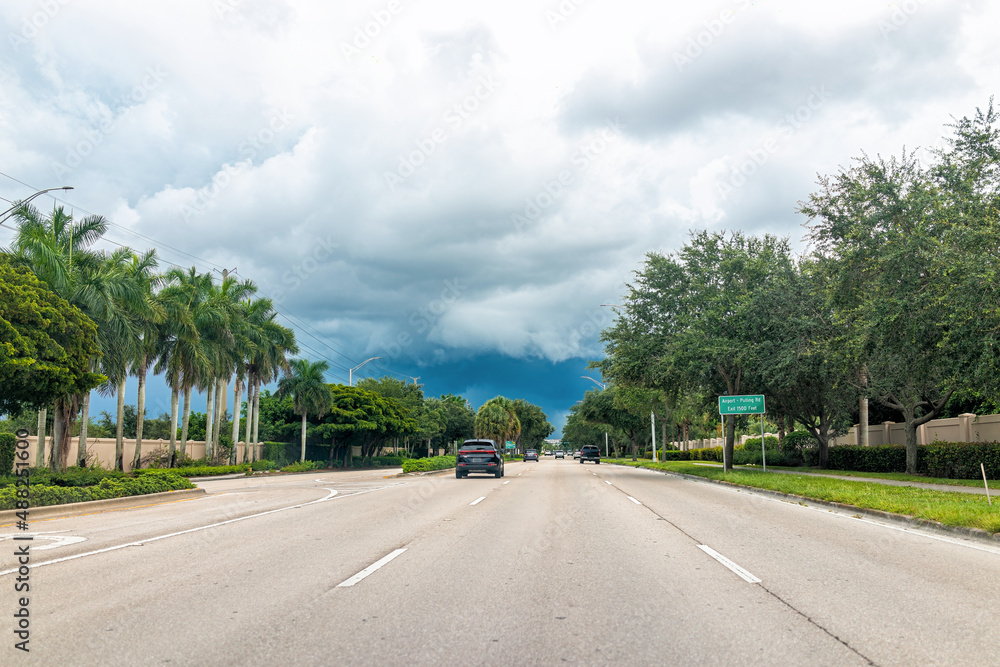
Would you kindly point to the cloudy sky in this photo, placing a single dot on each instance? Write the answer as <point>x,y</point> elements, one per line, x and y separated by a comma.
<point>457,187</point>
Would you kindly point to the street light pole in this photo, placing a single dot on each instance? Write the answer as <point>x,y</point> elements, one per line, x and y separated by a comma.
<point>6,214</point>
<point>350,373</point>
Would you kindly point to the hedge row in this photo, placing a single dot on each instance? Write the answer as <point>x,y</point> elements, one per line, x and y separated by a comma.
<point>42,495</point>
<point>950,460</point>
<point>8,442</point>
<point>423,465</point>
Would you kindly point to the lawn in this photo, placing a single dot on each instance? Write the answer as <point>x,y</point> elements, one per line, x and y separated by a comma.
<point>947,507</point>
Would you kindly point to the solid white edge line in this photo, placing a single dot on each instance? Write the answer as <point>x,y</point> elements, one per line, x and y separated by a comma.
<point>190,530</point>
<point>743,574</point>
<point>477,501</point>
<point>633,500</point>
<point>368,570</point>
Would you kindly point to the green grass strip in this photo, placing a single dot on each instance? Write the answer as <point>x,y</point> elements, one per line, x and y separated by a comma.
<point>950,508</point>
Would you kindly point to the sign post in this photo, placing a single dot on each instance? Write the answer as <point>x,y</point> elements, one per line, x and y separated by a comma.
<point>745,405</point>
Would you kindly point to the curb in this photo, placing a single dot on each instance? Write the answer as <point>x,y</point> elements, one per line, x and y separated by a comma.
<point>91,506</point>
<point>424,472</point>
<point>963,531</point>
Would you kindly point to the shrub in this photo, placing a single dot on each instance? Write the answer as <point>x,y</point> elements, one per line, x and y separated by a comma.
<point>8,441</point>
<point>109,487</point>
<point>707,454</point>
<point>388,461</point>
<point>302,466</point>
<point>675,455</point>
<point>959,460</point>
<point>423,465</point>
<point>197,471</point>
<point>775,457</point>
<point>273,451</point>
<point>797,441</point>
<point>770,442</point>
<point>263,464</point>
<point>881,458</point>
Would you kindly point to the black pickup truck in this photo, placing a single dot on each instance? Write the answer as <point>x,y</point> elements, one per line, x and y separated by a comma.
<point>479,456</point>
<point>590,453</point>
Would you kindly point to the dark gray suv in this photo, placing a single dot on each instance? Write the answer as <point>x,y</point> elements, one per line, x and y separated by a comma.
<point>479,456</point>
<point>590,453</point>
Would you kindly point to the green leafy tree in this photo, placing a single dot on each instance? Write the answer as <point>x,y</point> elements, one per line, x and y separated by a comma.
<point>459,419</point>
<point>910,254</point>
<point>535,426</point>
<point>802,370</point>
<point>363,418</point>
<point>691,320</point>
<point>46,344</point>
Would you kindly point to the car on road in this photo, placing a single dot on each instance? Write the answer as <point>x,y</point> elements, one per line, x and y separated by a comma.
<point>560,454</point>
<point>590,453</point>
<point>576,454</point>
<point>530,455</point>
<point>479,456</point>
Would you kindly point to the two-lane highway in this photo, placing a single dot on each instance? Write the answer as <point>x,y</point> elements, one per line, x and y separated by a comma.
<point>556,562</point>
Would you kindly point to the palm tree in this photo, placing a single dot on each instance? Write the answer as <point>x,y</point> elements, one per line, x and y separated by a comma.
<point>304,381</point>
<point>271,343</point>
<point>119,298</point>
<point>226,347</point>
<point>497,420</point>
<point>146,348</point>
<point>58,251</point>
<point>182,355</point>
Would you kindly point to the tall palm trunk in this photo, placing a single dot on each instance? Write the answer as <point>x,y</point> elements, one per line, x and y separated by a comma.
<point>237,390</point>
<point>120,430</point>
<point>174,400</point>
<point>56,436</point>
<point>81,452</point>
<point>40,446</point>
<point>246,440</point>
<point>256,418</point>
<point>209,421</point>
<point>302,455</point>
<point>186,420</point>
<point>220,412</point>
<point>140,414</point>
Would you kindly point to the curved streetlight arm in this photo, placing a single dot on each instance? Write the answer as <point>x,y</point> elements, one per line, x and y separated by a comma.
<point>600,384</point>
<point>6,214</point>
<point>350,373</point>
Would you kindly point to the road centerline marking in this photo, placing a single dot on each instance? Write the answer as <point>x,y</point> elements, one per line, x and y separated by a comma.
<point>739,571</point>
<point>633,500</point>
<point>477,501</point>
<point>508,481</point>
<point>370,569</point>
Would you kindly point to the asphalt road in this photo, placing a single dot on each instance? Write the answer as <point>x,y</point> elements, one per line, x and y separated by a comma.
<point>557,562</point>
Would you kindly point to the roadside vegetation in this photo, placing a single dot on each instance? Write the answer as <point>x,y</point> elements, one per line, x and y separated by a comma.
<point>947,507</point>
<point>890,313</point>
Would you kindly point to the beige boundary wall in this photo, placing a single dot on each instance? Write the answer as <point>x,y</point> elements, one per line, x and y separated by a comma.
<point>102,450</point>
<point>963,428</point>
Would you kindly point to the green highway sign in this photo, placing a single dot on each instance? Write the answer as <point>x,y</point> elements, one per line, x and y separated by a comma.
<point>741,405</point>
<point>510,445</point>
